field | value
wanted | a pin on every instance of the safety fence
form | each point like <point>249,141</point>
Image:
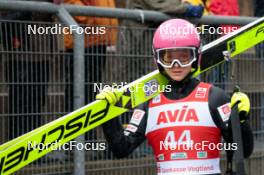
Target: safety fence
<point>36,87</point>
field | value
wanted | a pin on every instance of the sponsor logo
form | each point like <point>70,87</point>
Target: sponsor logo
<point>201,92</point>
<point>224,111</point>
<point>184,114</point>
<point>131,128</point>
<point>181,155</point>
<point>161,157</point>
<point>137,116</point>
<point>151,87</point>
<point>156,99</point>
<point>260,30</point>
<point>202,154</point>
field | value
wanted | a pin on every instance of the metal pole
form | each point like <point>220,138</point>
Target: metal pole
<point>31,6</point>
<point>121,13</point>
<point>78,84</point>
<point>147,15</point>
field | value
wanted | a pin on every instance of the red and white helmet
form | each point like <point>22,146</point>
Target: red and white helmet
<point>172,35</point>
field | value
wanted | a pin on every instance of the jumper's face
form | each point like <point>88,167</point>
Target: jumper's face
<point>178,73</point>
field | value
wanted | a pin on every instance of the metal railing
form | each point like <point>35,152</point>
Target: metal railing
<point>41,81</point>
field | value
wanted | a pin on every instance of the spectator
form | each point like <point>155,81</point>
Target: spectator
<point>95,44</point>
<point>95,47</point>
<point>224,8</point>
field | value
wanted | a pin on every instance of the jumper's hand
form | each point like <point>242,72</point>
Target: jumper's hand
<point>111,95</point>
<point>243,104</point>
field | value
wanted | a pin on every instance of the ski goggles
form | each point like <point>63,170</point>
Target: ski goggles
<point>183,56</point>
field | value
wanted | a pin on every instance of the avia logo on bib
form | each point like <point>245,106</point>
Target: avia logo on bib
<point>184,114</point>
